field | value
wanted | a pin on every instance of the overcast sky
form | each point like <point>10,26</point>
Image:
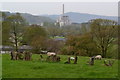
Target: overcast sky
<point>40,8</point>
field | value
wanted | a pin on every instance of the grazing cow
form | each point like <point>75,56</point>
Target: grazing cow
<point>67,62</point>
<point>58,58</point>
<point>91,61</point>
<point>75,61</point>
<point>108,62</point>
<point>51,54</point>
<point>98,57</point>
<point>41,58</point>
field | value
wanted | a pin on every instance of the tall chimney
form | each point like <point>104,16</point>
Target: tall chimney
<point>63,9</point>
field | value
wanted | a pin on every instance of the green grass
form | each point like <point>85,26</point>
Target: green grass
<point>38,69</point>
<point>0,66</point>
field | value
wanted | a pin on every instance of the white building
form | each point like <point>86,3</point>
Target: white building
<point>63,20</point>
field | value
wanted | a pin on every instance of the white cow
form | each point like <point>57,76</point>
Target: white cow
<point>51,53</point>
<point>98,57</point>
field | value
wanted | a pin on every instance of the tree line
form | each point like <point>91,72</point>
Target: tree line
<point>98,36</point>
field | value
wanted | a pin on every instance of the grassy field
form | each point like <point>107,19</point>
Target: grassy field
<point>0,66</point>
<point>38,69</point>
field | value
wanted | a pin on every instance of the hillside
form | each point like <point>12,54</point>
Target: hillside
<point>36,19</point>
<point>82,17</point>
<point>33,19</point>
<point>74,17</point>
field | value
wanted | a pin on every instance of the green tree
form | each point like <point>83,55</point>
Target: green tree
<point>33,31</point>
<point>85,28</point>
<point>0,32</point>
<point>35,36</point>
<point>86,45</point>
<point>104,33</point>
<point>81,45</point>
<point>54,45</point>
<point>55,31</point>
<point>5,33</point>
<point>4,16</point>
<point>5,28</point>
<point>16,23</point>
<point>38,43</point>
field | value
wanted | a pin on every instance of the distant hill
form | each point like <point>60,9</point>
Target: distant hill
<point>32,19</point>
<point>82,17</point>
<point>74,17</point>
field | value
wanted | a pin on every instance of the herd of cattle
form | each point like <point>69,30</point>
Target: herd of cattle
<point>53,57</point>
